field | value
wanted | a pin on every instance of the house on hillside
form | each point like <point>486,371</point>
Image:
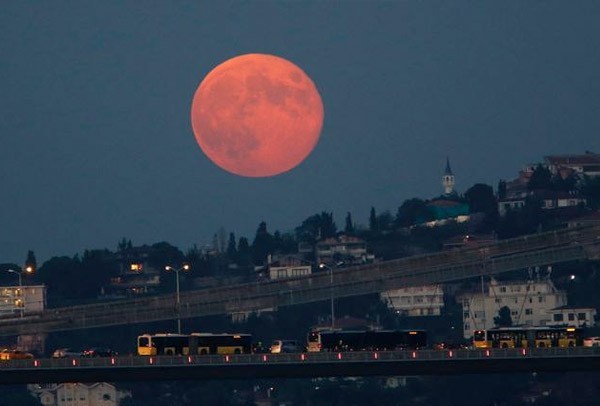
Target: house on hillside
<point>587,164</point>
<point>80,394</point>
<point>136,275</point>
<point>550,200</point>
<point>287,266</point>
<point>531,303</point>
<point>343,248</point>
<point>416,301</point>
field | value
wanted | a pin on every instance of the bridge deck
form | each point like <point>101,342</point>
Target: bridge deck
<point>245,366</point>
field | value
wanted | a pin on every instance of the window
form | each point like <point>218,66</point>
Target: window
<point>541,299</point>
<point>580,316</point>
<point>465,315</point>
<point>503,289</point>
<point>571,316</point>
<point>467,327</point>
<point>498,300</point>
<point>529,311</point>
<point>558,317</point>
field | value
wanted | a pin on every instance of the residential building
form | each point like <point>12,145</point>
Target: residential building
<point>514,203</point>
<point>78,394</point>
<point>587,164</point>
<point>343,248</point>
<point>136,276</point>
<point>288,266</point>
<point>549,199</point>
<point>530,303</point>
<point>416,301</point>
<point>572,316</point>
<point>25,299</point>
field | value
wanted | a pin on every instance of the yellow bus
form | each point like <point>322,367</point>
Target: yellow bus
<point>163,344</point>
<point>193,344</point>
<point>528,337</point>
<point>505,337</point>
<point>209,343</point>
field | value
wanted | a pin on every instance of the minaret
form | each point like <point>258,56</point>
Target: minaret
<point>448,179</point>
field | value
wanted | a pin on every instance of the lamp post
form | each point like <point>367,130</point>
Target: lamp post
<point>322,266</point>
<point>168,268</point>
<point>19,274</point>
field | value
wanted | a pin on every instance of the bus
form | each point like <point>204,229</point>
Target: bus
<point>193,344</point>
<point>365,340</point>
<point>163,344</point>
<point>209,343</point>
<point>528,337</point>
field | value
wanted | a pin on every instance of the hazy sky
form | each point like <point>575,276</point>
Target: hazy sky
<point>95,135</point>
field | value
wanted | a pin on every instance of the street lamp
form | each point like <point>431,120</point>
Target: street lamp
<point>323,266</point>
<point>19,274</point>
<point>168,268</point>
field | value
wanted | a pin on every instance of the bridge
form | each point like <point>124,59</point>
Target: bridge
<point>300,365</point>
<point>574,244</point>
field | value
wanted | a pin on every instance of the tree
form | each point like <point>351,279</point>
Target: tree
<point>385,221</point>
<point>590,189</point>
<point>481,199</point>
<point>162,254</point>
<point>284,243</point>
<point>541,178</point>
<point>373,226</point>
<point>501,189</point>
<point>349,229</point>
<point>30,261</point>
<point>316,227</point>
<point>231,249</point>
<point>244,252</point>
<point>503,319</point>
<point>413,211</point>
<point>262,245</point>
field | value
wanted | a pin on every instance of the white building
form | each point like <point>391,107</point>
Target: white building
<point>573,316</point>
<point>416,301</point>
<point>288,267</point>
<point>344,248</point>
<point>78,394</point>
<point>26,299</point>
<point>530,304</point>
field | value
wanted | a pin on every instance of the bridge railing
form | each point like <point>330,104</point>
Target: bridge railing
<point>302,358</point>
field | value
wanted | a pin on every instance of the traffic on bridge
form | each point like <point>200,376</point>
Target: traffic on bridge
<point>296,365</point>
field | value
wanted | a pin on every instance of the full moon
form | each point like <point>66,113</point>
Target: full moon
<point>257,115</point>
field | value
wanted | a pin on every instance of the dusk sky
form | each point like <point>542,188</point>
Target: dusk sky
<point>97,144</point>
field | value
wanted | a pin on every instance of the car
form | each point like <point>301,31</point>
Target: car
<point>281,346</point>
<point>98,352</point>
<point>66,353</point>
<point>591,342</point>
<point>444,345</point>
<point>7,354</point>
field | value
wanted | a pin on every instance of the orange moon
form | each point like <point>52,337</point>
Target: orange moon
<point>257,115</point>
